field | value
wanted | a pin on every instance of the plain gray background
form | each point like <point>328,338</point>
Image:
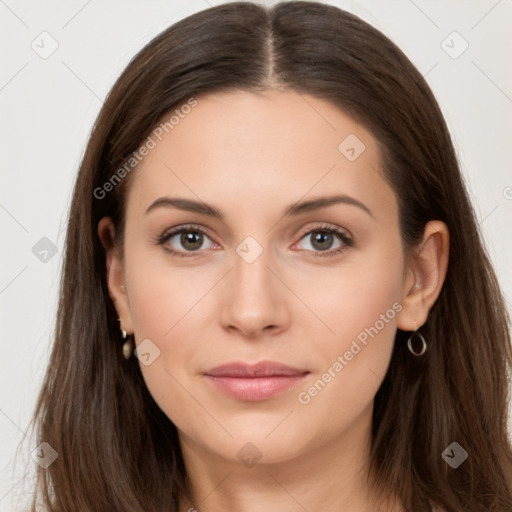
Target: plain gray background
<point>49,102</point>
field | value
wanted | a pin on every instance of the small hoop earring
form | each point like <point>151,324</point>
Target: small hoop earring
<point>127,345</point>
<point>423,347</point>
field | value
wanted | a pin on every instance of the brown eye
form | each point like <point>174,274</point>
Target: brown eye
<point>322,238</point>
<point>191,240</point>
<point>183,240</point>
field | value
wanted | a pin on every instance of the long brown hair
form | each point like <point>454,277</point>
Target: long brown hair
<point>116,449</point>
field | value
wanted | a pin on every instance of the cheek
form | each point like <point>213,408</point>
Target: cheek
<point>160,308</point>
<point>362,294</point>
<point>361,310</point>
<point>162,291</point>
<point>173,307</point>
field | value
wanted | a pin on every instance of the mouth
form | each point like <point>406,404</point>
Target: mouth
<point>257,382</point>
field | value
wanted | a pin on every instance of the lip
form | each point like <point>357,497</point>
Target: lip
<point>256,382</point>
<point>261,369</point>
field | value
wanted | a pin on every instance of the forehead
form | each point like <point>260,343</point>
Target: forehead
<point>257,150</point>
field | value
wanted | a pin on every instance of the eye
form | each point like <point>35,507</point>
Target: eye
<point>191,239</point>
<point>321,240</point>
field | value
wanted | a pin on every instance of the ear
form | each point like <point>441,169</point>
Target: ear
<point>424,276</point>
<point>115,274</point>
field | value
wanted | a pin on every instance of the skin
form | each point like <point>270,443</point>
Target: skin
<point>251,156</point>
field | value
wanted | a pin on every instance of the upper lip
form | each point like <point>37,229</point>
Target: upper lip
<point>261,369</point>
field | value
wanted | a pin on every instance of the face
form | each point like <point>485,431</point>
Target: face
<point>316,289</point>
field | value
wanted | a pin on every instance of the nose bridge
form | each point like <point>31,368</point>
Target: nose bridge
<point>253,300</point>
<point>251,275</point>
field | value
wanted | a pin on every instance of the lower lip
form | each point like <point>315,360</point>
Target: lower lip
<point>253,389</point>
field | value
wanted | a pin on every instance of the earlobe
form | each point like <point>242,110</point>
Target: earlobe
<point>115,273</point>
<point>426,274</point>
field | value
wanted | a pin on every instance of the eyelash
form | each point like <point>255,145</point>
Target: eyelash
<point>325,229</point>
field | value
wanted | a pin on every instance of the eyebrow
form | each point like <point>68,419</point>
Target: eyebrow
<point>190,205</point>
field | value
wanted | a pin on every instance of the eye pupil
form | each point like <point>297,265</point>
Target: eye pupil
<point>320,238</point>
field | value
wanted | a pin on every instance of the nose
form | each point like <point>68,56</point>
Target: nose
<point>254,299</point>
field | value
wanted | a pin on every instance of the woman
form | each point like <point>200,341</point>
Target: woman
<point>334,338</point>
